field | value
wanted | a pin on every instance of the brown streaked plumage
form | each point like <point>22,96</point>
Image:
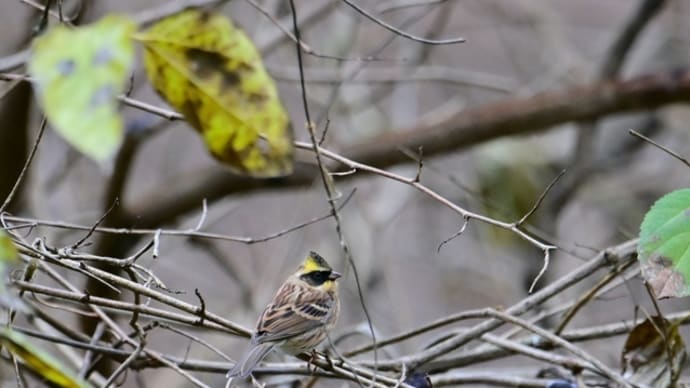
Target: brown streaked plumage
<point>302,312</point>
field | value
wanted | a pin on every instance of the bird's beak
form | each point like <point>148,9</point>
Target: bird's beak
<point>334,275</point>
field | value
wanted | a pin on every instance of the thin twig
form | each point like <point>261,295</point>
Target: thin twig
<point>31,222</point>
<point>194,338</point>
<point>398,75</point>
<point>542,271</point>
<point>202,218</point>
<point>81,241</point>
<point>420,164</point>
<point>124,365</point>
<point>404,34</point>
<point>537,354</point>
<point>661,147</point>
<point>540,199</point>
<point>88,356</point>
<point>426,190</point>
<point>108,278</point>
<point>589,295</point>
<point>25,168</point>
<point>487,379</point>
<point>305,47</point>
<point>602,259</point>
<point>663,331</point>
<point>89,300</point>
<point>453,318</point>
<point>398,5</point>
<point>605,370</point>
<point>19,378</point>
<point>327,184</point>
<point>466,220</point>
<point>119,332</point>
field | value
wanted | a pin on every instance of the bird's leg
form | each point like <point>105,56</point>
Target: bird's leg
<point>310,364</point>
<point>329,360</point>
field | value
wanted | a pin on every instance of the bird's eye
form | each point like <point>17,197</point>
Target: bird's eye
<point>316,278</point>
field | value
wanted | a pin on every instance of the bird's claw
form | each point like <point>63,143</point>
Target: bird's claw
<point>312,357</point>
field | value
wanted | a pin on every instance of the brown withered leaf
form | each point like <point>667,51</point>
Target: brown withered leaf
<point>649,357</point>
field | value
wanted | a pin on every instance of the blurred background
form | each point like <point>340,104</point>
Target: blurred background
<point>380,95</point>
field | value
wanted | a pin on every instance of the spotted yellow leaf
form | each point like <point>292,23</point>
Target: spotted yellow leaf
<point>78,74</point>
<point>38,361</point>
<point>210,71</point>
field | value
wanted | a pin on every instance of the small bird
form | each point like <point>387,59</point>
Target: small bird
<point>302,312</point>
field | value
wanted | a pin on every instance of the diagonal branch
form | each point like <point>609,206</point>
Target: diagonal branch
<point>521,116</point>
<point>517,116</point>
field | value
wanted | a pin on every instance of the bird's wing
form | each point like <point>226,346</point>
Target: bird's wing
<point>293,311</point>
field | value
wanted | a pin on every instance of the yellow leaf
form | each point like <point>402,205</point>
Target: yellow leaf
<point>78,74</point>
<point>39,361</point>
<point>210,71</point>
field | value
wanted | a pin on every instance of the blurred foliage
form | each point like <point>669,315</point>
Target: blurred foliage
<point>78,74</point>
<point>38,361</point>
<point>511,176</point>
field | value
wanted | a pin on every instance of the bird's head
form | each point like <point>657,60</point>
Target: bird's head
<point>317,273</point>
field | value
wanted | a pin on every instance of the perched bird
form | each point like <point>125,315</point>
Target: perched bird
<point>302,312</point>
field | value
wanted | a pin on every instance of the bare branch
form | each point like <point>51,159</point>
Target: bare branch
<point>389,27</point>
<point>191,233</point>
<point>661,147</point>
<point>329,189</point>
<point>456,234</point>
<point>540,199</point>
<point>534,300</point>
<point>542,271</point>
<point>20,178</point>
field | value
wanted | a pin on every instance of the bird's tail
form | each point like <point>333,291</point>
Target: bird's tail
<point>252,357</point>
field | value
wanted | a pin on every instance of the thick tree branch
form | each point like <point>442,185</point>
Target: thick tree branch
<point>582,162</point>
<point>526,115</point>
<point>164,206</point>
<point>518,116</point>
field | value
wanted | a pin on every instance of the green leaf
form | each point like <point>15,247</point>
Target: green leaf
<point>78,74</point>
<point>210,71</point>
<point>664,246</point>
<point>39,361</point>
